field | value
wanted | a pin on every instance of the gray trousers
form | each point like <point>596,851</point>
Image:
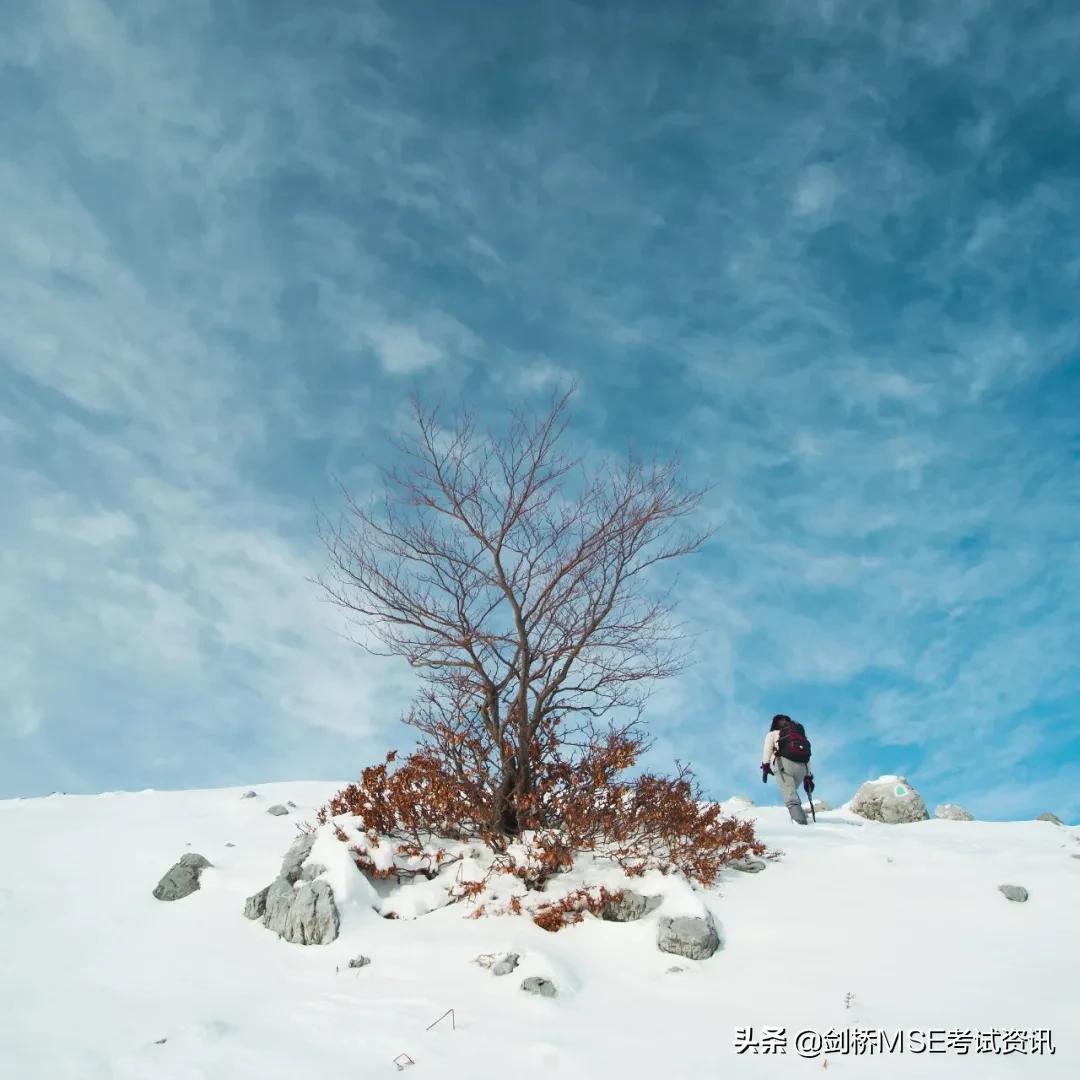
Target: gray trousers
<point>789,778</point>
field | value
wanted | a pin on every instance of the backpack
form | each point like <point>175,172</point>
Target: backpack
<point>793,743</point>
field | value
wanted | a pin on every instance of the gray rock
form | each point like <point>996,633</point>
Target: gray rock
<point>255,906</point>
<point>229,843</point>
<point>277,810</point>
<point>1050,817</point>
<point>892,801</point>
<point>296,905</point>
<point>748,865</point>
<point>675,970</point>
<point>299,850</point>
<point>1017,893</point>
<point>313,917</point>
<point>182,879</point>
<point>629,907</point>
<point>535,985</point>
<point>690,936</point>
<point>505,964</point>
<point>279,900</point>
<point>250,795</point>
<point>291,804</point>
<point>359,961</point>
<point>1074,856</point>
<point>949,812</point>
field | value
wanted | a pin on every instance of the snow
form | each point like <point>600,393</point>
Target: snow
<point>906,918</point>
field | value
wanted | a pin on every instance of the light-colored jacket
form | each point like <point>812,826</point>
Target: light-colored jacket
<point>768,751</point>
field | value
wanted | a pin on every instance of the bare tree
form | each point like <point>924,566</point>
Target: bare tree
<point>516,582</point>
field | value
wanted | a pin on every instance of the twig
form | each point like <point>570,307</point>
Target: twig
<point>453,1022</point>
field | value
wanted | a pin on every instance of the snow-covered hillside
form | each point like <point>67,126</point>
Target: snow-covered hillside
<point>858,925</point>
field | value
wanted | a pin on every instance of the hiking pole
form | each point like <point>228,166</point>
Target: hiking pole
<point>809,785</point>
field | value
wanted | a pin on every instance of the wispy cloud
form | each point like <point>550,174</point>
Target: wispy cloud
<point>837,276</point>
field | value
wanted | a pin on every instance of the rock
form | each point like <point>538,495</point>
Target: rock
<point>1074,856</point>
<point>277,810</point>
<point>629,907</point>
<point>690,936</point>
<point>1017,893</point>
<point>505,964</point>
<point>296,905</point>
<point>1050,817</point>
<point>250,795</point>
<point>299,850</point>
<point>255,906</point>
<point>535,985</point>
<point>674,970</point>
<point>279,900</point>
<point>890,799</point>
<point>359,961</point>
<point>291,804</point>
<point>313,916</point>
<point>229,843</point>
<point>183,878</point>
<point>748,865</point>
<point>949,812</point>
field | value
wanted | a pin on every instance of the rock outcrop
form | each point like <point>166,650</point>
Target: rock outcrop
<point>298,905</point>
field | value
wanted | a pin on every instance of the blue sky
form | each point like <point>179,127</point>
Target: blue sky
<point>828,252</point>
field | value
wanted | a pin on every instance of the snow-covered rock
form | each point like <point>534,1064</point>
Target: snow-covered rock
<point>277,810</point>
<point>630,907</point>
<point>696,938</point>
<point>950,812</point>
<point>748,865</point>
<point>534,984</point>
<point>1052,818</point>
<point>182,879</point>
<point>890,799</point>
<point>293,862</point>
<point>505,964</point>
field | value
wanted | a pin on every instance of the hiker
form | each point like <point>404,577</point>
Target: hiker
<point>788,748</point>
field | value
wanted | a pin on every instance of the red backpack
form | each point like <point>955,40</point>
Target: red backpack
<point>792,743</point>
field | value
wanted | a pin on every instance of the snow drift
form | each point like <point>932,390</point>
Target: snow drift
<point>859,924</point>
